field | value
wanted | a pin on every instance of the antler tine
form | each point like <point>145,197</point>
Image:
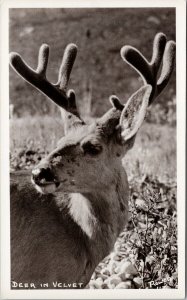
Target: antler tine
<point>149,70</point>
<point>68,59</point>
<point>158,50</point>
<point>43,57</point>
<point>116,103</point>
<point>168,64</point>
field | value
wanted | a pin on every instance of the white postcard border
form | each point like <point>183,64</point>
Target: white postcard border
<point>6,292</point>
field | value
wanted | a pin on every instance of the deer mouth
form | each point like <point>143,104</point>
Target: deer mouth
<point>44,184</point>
<point>46,187</point>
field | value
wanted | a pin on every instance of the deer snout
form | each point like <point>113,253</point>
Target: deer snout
<point>44,176</point>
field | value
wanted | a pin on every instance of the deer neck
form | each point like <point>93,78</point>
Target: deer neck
<point>104,210</point>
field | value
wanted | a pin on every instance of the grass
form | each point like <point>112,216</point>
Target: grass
<point>154,153</point>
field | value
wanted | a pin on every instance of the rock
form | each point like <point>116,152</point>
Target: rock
<point>114,280</point>
<point>138,282</point>
<point>125,276</point>
<point>103,276</point>
<point>105,271</point>
<point>96,285</point>
<point>129,276</point>
<point>104,286</point>
<point>141,204</point>
<point>124,285</point>
<point>117,270</point>
<point>122,276</point>
<point>129,283</point>
<point>111,286</point>
<point>99,281</point>
<point>142,225</point>
<point>91,282</point>
<point>114,256</point>
<point>150,259</point>
<point>117,247</point>
<point>127,267</point>
<point>111,266</point>
<point>93,276</point>
<point>91,287</point>
<point>122,254</point>
<point>98,269</point>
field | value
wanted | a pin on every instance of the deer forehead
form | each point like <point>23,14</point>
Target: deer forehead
<point>81,134</point>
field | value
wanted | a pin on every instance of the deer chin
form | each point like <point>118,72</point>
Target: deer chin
<point>47,188</point>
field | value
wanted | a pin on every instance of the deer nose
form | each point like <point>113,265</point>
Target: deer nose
<point>42,175</point>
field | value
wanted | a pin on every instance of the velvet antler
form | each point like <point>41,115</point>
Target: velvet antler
<point>162,52</point>
<point>56,92</point>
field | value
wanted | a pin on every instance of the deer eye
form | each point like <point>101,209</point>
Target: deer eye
<point>91,148</point>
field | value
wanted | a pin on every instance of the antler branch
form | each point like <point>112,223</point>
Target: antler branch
<point>37,78</point>
<point>149,70</point>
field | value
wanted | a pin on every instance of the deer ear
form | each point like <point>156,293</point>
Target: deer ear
<point>134,113</point>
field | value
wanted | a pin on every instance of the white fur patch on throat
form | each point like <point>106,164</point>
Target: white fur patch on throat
<point>81,211</point>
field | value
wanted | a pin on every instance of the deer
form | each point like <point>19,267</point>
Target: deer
<point>67,213</point>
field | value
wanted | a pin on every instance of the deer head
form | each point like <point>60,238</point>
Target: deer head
<point>87,155</point>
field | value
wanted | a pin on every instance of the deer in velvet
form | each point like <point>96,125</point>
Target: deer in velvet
<point>67,219</point>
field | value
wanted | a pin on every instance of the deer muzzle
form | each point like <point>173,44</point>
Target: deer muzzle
<point>44,180</point>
